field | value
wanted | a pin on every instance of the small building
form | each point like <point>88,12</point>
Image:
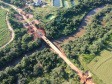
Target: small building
<point>37,2</point>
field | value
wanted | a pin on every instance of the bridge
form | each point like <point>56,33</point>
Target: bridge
<point>82,76</point>
<point>79,72</point>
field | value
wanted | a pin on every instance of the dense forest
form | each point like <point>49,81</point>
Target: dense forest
<point>62,25</point>
<point>68,20</point>
<point>18,3</point>
<point>45,67</point>
<point>95,36</point>
<point>22,42</point>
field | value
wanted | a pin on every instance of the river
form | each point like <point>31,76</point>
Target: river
<point>18,59</point>
<point>78,33</point>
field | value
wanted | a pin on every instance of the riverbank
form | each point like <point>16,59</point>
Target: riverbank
<point>78,33</point>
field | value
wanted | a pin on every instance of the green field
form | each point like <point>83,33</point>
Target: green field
<point>76,2</point>
<point>101,65</point>
<point>4,31</point>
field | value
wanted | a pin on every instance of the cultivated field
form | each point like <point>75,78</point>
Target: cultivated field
<point>102,64</point>
<point>4,31</point>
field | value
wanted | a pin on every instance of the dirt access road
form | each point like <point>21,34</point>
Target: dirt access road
<point>9,27</point>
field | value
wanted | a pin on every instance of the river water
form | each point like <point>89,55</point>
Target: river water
<point>18,59</point>
<point>78,33</point>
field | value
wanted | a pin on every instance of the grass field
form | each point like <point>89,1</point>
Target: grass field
<point>43,12</point>
<point>4,31</point>
<point>49,9</point>
<point>76,2</point>
<point>101,65</point>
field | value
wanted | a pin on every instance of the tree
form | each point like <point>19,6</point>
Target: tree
<point>27,38</point>
<point>37,70</point>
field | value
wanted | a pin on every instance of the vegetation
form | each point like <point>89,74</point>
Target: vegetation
<point>61,24</point>
<point>45,66</point>
<point>93,41</point>
<point>18,3</point>
<point>94,38</point>
<point>5,34</point>
<point>41,67</point>
<point>22,42</point>
<point>66,21</point>
<point>101,64</point>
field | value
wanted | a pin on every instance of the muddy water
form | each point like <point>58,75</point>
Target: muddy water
<point>79,33</point>
<point>80,30</point>
<point>18,59</point>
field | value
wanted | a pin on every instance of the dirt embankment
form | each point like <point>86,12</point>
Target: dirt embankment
<point>9,27</point>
